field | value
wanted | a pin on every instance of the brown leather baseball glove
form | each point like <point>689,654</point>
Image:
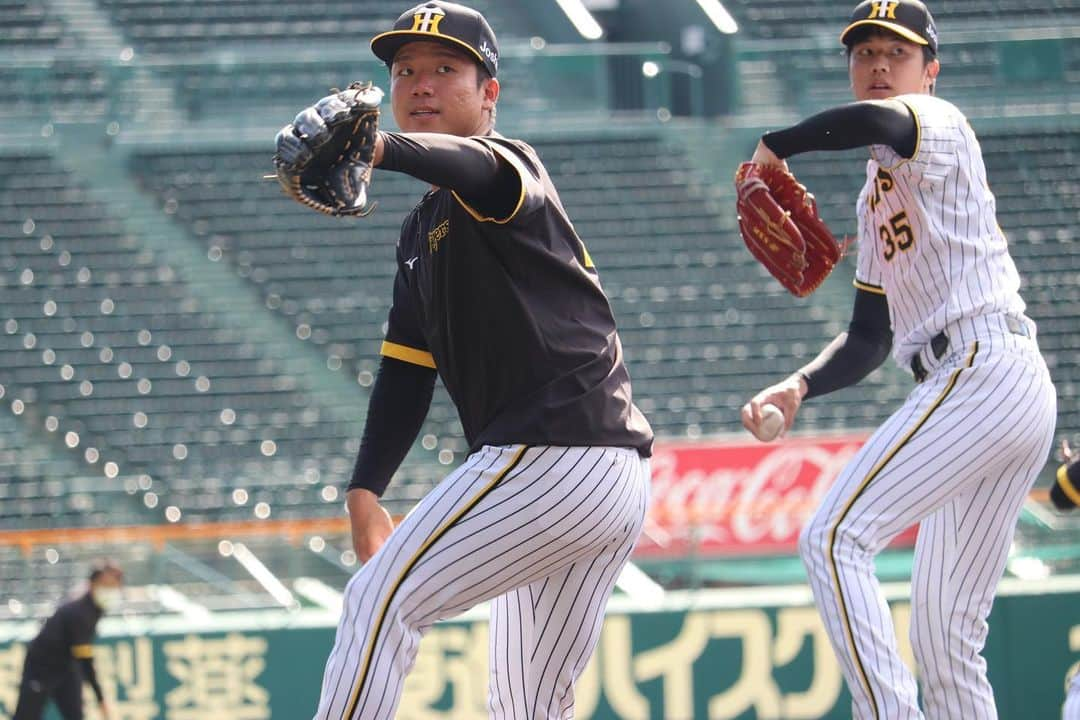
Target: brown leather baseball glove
<point>779,223</point>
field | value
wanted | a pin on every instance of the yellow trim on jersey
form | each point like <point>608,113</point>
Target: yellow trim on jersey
<point>408,354</point>
<point>369,650</point>
<point>480,218</point>
<point>895,27</point>
<point>851,502</point>
<point>514,163</point>
<point>1071,673</point>
<point>918,138</point>
<point>1066,485</point>
<point>918,130</point>
<point>587,260</point>
<point>585,254</point>
<point>877,290</point>
<point>82,652</point>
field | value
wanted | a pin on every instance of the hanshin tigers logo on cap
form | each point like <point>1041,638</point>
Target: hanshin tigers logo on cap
<point>883,10</point>
<point>910,19</point>
<point>427,21</point>
<point>445,22</point>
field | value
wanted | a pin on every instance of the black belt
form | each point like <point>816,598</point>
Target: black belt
<point>938,345</point>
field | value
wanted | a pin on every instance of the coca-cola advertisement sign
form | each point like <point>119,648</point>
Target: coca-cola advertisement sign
<point>727,497</point>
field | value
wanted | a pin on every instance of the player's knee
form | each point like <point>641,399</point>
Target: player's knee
<point>822,539</point>
<point>813,540</point>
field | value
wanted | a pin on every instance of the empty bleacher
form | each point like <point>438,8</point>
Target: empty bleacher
<point>60,90</point>
<point>138,376</point>
<point>1033,174</point>
<point>28,26</point>
<point>179,26</point>
<point>42,487</point>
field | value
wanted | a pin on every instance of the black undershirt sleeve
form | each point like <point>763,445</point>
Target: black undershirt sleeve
<point>468,166</point>
<point>853,354</point>
<point>871,122</point>
<point>399,402</point>
<point>90,677</point>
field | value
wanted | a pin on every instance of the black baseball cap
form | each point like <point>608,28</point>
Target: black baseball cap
<point>907,18</point>
<point>445,22</point>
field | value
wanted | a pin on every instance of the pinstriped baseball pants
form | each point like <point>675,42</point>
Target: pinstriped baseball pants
<point>959,458</point>
<point>1070,710</point>
<point>541,531</point>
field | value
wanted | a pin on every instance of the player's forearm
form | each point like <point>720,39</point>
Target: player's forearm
<point>400,399</point>
<point>90,677</point>
<point>854,354</point>
<point>872,122</point>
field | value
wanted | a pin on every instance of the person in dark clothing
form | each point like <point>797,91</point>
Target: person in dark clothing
<point>61,657</point>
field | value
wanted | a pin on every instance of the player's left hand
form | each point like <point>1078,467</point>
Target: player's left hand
<point>786,395</point>
<point>324,158</point>
<point>104,708</point>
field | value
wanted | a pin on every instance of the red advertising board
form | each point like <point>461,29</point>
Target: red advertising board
<point>732,497</point>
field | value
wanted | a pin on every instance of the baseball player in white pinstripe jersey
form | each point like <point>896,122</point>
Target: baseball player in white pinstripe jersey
<point>936,285</point>
<point>1070,709</point>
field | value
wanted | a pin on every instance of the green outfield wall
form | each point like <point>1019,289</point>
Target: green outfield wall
<point>728,654</point>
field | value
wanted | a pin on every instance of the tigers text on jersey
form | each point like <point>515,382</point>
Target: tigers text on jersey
<point>511,313</point>
<point>928,232</point>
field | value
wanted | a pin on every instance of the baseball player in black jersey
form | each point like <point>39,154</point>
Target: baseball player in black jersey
<point>497,295</point>
<point>61,658</point>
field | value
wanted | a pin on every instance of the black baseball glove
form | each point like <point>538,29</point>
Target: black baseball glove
<point>324,158</point>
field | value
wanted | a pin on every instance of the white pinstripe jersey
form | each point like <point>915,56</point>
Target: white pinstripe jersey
<point>928,232</point>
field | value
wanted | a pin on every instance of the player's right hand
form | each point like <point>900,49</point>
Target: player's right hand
<point>371,523</point>
<point>764,156</point>
<point>786,395</point>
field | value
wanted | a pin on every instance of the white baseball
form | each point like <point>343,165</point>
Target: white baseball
<point>772,422</point>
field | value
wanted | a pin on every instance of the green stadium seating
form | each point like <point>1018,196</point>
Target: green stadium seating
<point>111,344</point>
<point>28,25</point>
<point>180,26</point>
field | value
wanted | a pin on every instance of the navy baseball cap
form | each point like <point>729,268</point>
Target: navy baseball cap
<point>445,22</point>
<point>907,18</point>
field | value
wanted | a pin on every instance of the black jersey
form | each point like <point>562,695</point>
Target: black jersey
<point>511,313</point>
<point>66,636</point>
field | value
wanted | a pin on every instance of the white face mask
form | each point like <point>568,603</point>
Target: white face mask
<point>107,598</point>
